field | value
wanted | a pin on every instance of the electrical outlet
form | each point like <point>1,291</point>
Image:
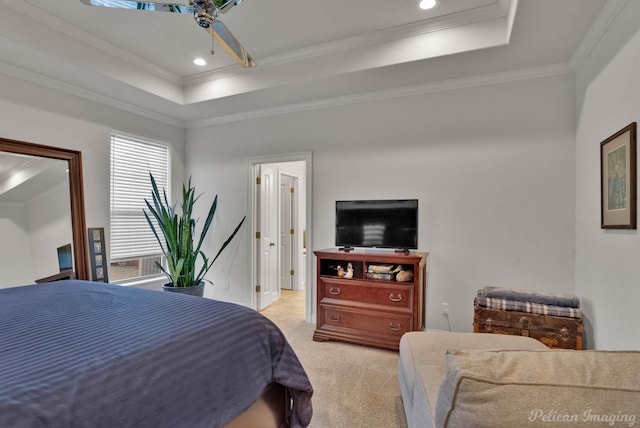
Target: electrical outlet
<point>445,310</point>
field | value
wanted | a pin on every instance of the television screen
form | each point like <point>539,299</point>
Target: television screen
<point>65,260</point>
<point>377,223</point>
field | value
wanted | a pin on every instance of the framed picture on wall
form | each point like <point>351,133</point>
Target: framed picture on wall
<point>97,254</point>
<point>618,180</point>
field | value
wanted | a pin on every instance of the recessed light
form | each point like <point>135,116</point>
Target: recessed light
<point>199,61</point>
<point>426,4</point>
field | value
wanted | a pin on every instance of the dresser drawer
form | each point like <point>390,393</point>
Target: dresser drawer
<point>379,323</point>
<point>335,291</point>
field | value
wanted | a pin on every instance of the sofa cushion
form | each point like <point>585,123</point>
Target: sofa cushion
<point>539,388</point>
<point>422,362</point>
<point>429,348</point>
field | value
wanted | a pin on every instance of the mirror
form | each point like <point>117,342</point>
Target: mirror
<point>48,179</point>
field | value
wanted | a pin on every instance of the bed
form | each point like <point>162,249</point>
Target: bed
<point>85,354</point>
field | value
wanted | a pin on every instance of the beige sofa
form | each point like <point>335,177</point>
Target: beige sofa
<point>490,380</point>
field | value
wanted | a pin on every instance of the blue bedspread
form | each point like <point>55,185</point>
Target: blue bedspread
<point>83,354</point>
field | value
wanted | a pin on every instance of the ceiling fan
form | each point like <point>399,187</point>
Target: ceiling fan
<point>205,13</point>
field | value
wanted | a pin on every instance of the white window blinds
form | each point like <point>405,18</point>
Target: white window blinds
<point>131,161</point>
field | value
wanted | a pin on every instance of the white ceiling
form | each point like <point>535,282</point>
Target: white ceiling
<point>24,177</point>
<point>309,53</point>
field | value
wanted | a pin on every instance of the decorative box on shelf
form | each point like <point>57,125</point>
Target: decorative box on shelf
<point>385,272</point>
<point>383,276</point>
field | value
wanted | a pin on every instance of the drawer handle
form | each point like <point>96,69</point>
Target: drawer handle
<point>334,291</point>
<point>524,323</point>
<point>334,317</point>
<point>489,325</point>
<point>395,326</point>
<point>394,298</point>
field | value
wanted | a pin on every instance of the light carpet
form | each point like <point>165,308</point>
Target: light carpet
<point>354,386</point>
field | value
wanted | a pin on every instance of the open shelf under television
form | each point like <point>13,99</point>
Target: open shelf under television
<point>373,310</point>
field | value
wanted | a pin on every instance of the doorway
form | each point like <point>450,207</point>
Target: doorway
<point>280,195</point>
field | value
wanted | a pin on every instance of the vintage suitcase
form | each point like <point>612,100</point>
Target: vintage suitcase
<point>553,331</point>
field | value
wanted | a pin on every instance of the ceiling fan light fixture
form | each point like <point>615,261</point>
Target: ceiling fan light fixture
<point>199,61</point>
<point>427,4</point>
<point>205,13</point>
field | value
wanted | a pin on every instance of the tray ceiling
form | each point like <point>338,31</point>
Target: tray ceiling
<point>306,51</point>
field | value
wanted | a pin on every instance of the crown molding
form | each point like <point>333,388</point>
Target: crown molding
<point>441,86</point>
<point>48,82</point>
<point>32,12</point>
<point>385,94</point>
<point>605,19</point>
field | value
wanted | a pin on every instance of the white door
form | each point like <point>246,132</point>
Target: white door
<point>267,229</point>
<point>287,232</point>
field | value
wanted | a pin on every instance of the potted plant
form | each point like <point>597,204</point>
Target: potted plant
<point>176,232</point>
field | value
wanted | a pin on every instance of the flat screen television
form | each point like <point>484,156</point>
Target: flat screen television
<point>382,223</point>
<point>65,259</point>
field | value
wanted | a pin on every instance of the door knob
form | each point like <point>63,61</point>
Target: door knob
<point>271,244</point>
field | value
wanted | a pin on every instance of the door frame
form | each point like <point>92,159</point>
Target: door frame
<point>251,193</point>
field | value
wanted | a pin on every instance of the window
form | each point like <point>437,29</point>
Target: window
<point>134,249</point>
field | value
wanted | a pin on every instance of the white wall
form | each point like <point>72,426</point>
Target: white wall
<point>15,251</point>
<point>32,113</point>
<point>607,269</point>
<point>31,233</point>
<point>49,220</point>
<point>492,167</point>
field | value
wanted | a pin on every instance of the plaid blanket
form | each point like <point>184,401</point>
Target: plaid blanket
<point>545,298</point>
<point>530,307</point>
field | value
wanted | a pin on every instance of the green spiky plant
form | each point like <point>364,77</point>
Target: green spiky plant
<point>176,235</point>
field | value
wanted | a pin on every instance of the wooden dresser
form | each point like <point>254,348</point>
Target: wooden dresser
<point>367,311</point>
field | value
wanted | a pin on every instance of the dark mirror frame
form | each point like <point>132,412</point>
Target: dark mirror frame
<point>76,193</point>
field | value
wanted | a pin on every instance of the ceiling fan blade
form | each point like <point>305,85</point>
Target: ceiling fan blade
<point>223,36</point>
<point>141,5</point>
